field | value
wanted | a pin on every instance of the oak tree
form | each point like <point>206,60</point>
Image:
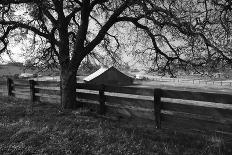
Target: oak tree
<point>66,28</point>
<point>181,33</point>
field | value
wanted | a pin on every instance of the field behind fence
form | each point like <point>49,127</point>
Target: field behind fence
<point>192,81</point>
<point>179,109</point>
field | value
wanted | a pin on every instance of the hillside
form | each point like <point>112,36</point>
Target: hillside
<point>12,69</point>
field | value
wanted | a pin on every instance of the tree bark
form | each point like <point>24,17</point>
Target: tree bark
<point>68,89</point>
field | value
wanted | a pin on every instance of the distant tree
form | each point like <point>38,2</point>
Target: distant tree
<point>126,67</point>
<point>29,64</point>
<point>18,64</point>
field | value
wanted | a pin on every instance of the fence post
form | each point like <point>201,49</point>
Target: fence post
<point>32,90</point>
<point>61,98</point>
<point>157,107</point>
<point>10,87</point>
<point>102,107</point>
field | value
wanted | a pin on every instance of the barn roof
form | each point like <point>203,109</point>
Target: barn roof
<point>95,74</point>
<point>102,71</point>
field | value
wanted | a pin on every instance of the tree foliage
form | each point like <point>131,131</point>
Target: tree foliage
<point>177,33</point>
<point>169,34</point>
<point>189,35</point>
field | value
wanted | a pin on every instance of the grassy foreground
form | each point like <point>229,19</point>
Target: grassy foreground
<point>46,129</point>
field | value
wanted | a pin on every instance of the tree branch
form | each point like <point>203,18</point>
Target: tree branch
<point>23,25</point>
<point>101,34</point>
<point>72,14</point>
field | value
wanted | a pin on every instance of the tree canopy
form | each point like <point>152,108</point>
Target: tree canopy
<point>169,34</point>
<point>188,32</point>
<point>185,34</point>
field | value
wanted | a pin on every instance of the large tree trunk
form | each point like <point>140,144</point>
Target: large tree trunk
<point>68,89</point>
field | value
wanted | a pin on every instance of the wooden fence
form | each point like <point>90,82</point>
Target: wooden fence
<point>30,89</point>
<point>163,108</point>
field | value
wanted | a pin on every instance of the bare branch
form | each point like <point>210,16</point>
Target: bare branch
<point>26,26</point>
<point>112,20</point>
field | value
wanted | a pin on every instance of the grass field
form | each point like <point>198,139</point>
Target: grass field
<point>46,129</point>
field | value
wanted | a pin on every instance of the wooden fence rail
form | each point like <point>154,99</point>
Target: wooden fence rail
<point>164,108</point>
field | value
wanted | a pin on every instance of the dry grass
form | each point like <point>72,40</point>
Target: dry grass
<point>45,129</point>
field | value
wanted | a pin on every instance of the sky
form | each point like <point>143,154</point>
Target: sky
<point>14,48</point>
<point>16,55</point>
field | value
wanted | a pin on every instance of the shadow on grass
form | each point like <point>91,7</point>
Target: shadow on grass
<point>46,129</point>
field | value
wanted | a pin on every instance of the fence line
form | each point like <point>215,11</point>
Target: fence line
<point>191,81</point>
<point>183,109</point>
<point>164,108</point>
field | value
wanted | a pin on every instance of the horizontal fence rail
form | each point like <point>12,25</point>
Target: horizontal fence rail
<point>164,108</point>
<point>30,89</point>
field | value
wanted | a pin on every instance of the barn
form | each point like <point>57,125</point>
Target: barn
<point>110,76</point>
